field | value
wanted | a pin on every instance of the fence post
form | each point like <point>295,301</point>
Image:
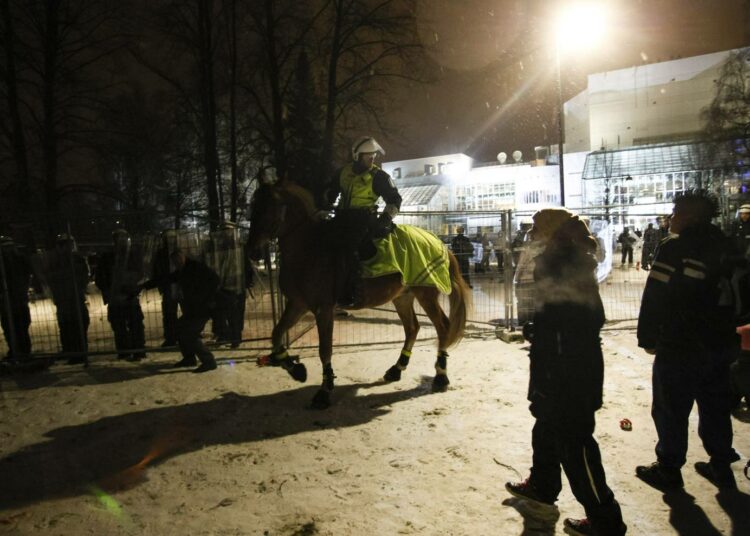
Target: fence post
<point>508,268</point>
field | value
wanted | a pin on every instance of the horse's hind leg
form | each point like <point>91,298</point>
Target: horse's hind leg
<point>428,299</point>
<point>279,354</point>
<point>405,308</point>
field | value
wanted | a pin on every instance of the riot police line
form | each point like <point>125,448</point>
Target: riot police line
<point>54,302</point>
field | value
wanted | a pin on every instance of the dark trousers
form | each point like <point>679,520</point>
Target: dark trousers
<point>189,330</point>
<point>627,252</point>
<point>463,265</point>
<point>236,317</point>
<point>574,448</point>
<point>169,316</point>
<point>73,321</point>
<point>679,379</point>
<point>126,319</point>
<point>17,338</point>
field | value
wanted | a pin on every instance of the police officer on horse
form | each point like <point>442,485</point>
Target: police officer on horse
<point>358,186</point>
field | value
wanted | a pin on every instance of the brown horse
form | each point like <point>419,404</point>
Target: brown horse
<point>308,280</point>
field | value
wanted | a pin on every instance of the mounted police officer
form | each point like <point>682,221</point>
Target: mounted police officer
<point>358,186</point>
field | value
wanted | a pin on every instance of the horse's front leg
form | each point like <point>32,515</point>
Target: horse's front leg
<point>428,299</point>
<point>405,308</point>
<point>279,355</point>
<point>324,321</point>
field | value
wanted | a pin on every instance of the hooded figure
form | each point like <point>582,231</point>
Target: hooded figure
<point>566,374</point>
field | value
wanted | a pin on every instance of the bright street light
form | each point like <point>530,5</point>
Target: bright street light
<point>579,26</point>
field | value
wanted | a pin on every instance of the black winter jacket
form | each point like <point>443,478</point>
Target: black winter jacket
<point>567,367</point>
<point>682,302</point>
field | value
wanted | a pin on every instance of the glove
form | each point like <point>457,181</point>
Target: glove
<point>383,226</point>
<point>322,215</point>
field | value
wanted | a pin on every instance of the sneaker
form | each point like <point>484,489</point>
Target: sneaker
<point>583,527</point>
<point>580,527</point>
<point>659,476</point>
<point>526,490</point>
<point>721,477</point>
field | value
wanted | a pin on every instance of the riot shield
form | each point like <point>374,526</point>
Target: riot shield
<point>224,254</point>
<point>66,275</point>
<point>128,269</point>
<point>189,241</point>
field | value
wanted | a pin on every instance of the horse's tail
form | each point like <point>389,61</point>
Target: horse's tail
<point>460,303</point>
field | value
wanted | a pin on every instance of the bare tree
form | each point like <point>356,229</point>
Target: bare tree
<point>728,115</point>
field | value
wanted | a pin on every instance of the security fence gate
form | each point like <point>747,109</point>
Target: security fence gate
<point>60,288</point>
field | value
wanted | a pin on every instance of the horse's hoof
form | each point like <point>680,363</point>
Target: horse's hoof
<point>298,371</point>
<point>321,400</point>
<point>440,383</point>
<point>393,374</point>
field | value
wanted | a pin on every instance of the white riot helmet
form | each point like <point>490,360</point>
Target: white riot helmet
<point>365,144</point>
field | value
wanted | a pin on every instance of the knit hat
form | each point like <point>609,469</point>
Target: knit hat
<point>744,209</point>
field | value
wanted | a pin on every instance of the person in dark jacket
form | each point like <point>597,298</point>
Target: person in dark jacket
<point>626,241</point>
<point>740,231</point>
<point>68,277</point>
<point>15,316</point>
<point>683,323</point>
<point>650,241</point>
<point>117,275</point>
<point>566,375</point>
<point>167,289</point>
<point>199,285</point>
<point>463,249</point>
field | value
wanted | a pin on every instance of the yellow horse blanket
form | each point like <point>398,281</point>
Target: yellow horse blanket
<point>418,255</point>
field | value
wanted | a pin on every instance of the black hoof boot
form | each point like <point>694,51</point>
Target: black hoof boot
<point>298,371</point>
<point>440,383</point>
<point>393,374</point>
<point>321,400</point>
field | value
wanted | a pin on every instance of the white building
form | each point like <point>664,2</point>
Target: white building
<point>631,144</point>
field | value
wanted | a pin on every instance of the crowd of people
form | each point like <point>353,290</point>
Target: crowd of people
<point>688,321</point>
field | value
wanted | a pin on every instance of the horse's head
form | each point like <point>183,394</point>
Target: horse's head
<point>276,209</point>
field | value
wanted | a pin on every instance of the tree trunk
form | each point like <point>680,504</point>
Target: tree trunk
<point>208,108</point>
<point>326,155</point>
<point>279,145</point>
<point>18,142</point>
<point>49,132</point>
<point>234,194</point>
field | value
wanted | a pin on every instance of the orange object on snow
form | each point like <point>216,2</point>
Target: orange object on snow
<point>626,425</point>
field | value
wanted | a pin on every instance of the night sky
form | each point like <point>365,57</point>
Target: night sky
<point>495,64</point>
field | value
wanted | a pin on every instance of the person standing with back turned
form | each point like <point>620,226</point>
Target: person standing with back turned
<point>683,323</point>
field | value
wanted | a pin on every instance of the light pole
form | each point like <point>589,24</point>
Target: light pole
<point>560,125</point>
<point>579,26</point>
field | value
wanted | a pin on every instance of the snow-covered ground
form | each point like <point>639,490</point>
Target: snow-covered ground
<point>141,448</point>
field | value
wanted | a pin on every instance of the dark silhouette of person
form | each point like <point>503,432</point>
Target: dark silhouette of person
<point>168,290</point>
<point>683,323</point>
<point>117,275</point>
<point>567,374</point>
<point>15,316</point>
<point>626,241</point>
<point>198,285</point>
<point>650,242</point>
<point>463,249</point>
